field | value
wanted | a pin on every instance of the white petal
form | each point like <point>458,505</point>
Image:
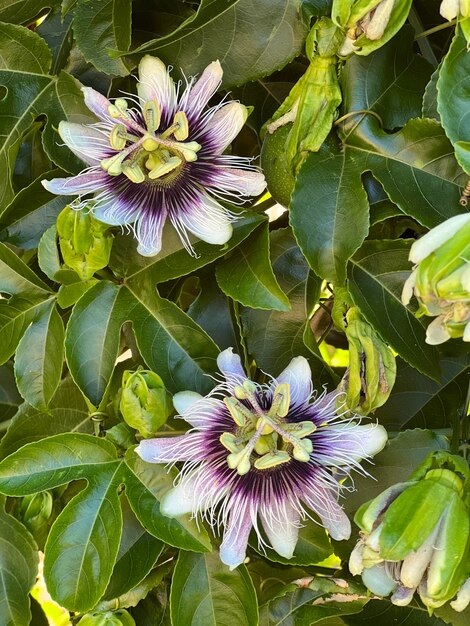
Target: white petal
<point>463,597</point>
<point>207,220</point>
<point>436,237</point>
<point>202,413</point>
<point>231,366</point>
<point>189,447</point>
<point>86,182</point>
<point>281,524</point>
<point>242,182</point>
<point>224,125</point>
<point>184,400</point>
<point>182,499</point>
<point>332,516</point>
<point>149,232</point>
<point>350,443</point>
<point>202,91</point>
<point>355,559</point>
<point>436,332</point>
<point>466,332</point>
<point>155,83</point>
<point>89,144</point>
<point>402,596</point>
<point>115,210</point>
<point>98,104</point>
<point>376,579</point>
<point>299,377</point>
<point>408,288</point>
<point>449,9</point>
<point>237,531</point>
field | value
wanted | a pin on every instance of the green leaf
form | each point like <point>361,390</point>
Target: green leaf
<point>322,599</point>
<point>48,253</point>
<point>418,402</point>
<point>377,273</point>
<point>430,97</point>
<point>146,484</point>
<point>32,211</point>
<point>16,278</point>
<point>100,25</point>
<point>83,542</point>
<point>39,357</point>
<point>53,462</point>
<point>274,338</point>
<point>18,42</point>
<point>247,276</point>
<point>92,338</point>
<point>16,314</point>
<point>20,11</point>
<point>385,613</point>
<point>18,569</point>
<point>275,30</point>
<point>173,260</point>
<point>453,87</point>
<point>329,212</point>
<point>10,399</point>
<point>137,554</point>
<point>394,464</point>
<point>204,591</point>
<point>67,412</point>
<point>57,33</point>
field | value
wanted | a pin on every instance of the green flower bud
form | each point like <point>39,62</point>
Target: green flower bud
<point>35,512</point>
<point>416,535</point>
<point>145,404</point>
<point>440,280</point>
<point>84,242</point>
<point>109,618</point>
<point>371,373</point>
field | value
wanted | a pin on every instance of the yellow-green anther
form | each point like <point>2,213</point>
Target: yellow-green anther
<point>118,109</point>
<point>266,444</point>
<point>181,121</point>
<point>266,428</point>
<point>230,442</point>
<point>113,165</point>
<point>277,457</point>
<point>240,461</point>
<point>188,150</point>
<point>165,167</point>
<point>446,477</point>
<point>281,401</point>
<point>300,454</point>
<point>301,429</point>
<point>152,115</point>
<point>150,143</point>
<point>237,411</point>
<point>121,104</point>
<point>133,171</point>
<point>117,140</point>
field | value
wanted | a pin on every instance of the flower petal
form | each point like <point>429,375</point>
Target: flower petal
<point>206,219</point>
<point>155,83</point>
<point>149,232</point>
<point>189,447</point>
<point>241,182</point>
<point>181,499</point>
<point>202,413</point>
<point>349,443</point>
<point>299,377</point>
<point>98,104</point>
<point>194,101</point>
<point>223,126</point>
<point>436,237</point>
<point>86,182</point>
<point>114,209</point>
<point>184,400</point>
<point>281,523</point>
<point>436,332</point>
<point>89,144</point>
<point>237,532</point>
<point>322,501</point>
<point>231,367</point>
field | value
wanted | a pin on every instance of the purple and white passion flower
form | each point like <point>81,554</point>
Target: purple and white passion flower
<point>262,453</point>
<point>161,158</point>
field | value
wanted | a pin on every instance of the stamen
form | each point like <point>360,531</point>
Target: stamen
<point>152,115</point>
<point>117,137</point>
<point>266,444</point>
<point>151,143</point>
<point>181,121</point>
<point>118,109</point>
<point>276,457</point>
<point>230,442</point>
<point>113,165</point>
<point>133,171</point>
<point>165,167</point>
<point>281,401</point>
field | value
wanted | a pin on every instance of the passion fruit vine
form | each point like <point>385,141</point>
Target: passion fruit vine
<point>279,177</point>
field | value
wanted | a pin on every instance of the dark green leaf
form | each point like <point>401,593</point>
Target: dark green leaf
<point>274,338</point>
<point>329,213</point>
<point>100,25</point>
<point>389,615</point>
<point>312,546</point>
<point>10,399</point>
<point>247,276</point>
<point>146,485</point>
<point>48,253</point>
<point>221,29</point>
<point>68,412</point>
<point>417,401</point>
<point>53,462</point>
<point>39,357</point>
<point>83,542</point>
<point>453,104</point>
<point>18,569</point>
<point>57,32</point>
<point>430,97</point>
<point>16,278</point>
<point>32,211</point>
<point>20,11</point>
<point>376,276</point>
<point>204,591</point>
<point>137,554</point>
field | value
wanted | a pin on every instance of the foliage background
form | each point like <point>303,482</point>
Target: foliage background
<point>384,176</point>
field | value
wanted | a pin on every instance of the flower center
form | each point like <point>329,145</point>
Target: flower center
<point>148,154</point>
<point>263,437</point>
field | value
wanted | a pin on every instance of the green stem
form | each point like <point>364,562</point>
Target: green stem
<point>436,29</point>
<point>463,428</point>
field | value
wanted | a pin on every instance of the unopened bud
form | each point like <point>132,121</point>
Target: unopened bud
<point>108,618</point>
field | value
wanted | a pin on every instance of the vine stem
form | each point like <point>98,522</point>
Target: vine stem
<point>436,29</point>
